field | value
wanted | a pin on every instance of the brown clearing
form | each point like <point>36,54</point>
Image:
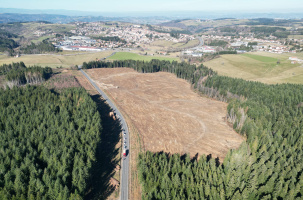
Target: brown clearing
<point>169,116</point>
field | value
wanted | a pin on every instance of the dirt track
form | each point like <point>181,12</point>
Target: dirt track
<point>168,114</point>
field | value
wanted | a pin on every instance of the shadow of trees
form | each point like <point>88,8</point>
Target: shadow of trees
<point>103,169</point>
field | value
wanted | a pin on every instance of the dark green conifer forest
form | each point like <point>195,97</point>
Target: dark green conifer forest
<point>47,143</point>
<point>268,165</point>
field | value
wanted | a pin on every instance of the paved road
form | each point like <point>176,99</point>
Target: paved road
<point>109,56</point>
<point>201,43</point>
<point>125,161</point>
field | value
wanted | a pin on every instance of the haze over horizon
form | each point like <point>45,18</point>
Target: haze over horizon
<point>158,6</point>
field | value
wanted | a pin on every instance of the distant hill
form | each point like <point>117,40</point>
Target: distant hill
<point>14,17</point>
<point>174,24</point>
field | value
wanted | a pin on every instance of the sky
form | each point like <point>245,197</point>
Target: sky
<point>158,5</point>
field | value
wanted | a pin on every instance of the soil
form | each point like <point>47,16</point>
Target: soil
<point>168,114</point>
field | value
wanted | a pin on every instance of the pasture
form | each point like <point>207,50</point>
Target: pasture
<point>64,59</point>
<point>260,66</point>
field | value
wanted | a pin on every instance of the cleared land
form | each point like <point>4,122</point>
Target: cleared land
<point>65,59</point>
<point>259,66</point>
<point>133,56</point>
<point>169,116</point>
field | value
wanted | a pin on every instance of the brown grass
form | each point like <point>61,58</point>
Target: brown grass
<point>62,80</point>
<point>169,116</point>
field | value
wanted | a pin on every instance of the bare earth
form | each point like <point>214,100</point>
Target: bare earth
<point>168,114</point>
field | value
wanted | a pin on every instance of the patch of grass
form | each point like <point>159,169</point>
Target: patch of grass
<point>133,56</point>
<point>61,81</point>
<point>170,44</point>
<point>260,58</point>
<point>189,44</point>
<point>299,37</point>
<point>40,39</point>
<point>259,66</point>
<point>162,43</point>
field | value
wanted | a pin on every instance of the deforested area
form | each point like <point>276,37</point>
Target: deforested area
<point>268,165</point>
<point>168,114</point>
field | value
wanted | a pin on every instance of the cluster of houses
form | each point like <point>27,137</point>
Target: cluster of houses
<point>271,46</point>
<point>132,34</point>
<point>198,52</point>
<point>140,35</point>
<point>295,60</point>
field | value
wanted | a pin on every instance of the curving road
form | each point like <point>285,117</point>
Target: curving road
<point>125,161</point>
<point>200,44</point>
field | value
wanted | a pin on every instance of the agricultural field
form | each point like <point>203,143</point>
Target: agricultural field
<point>64,59</point>
<point>133,56</point>
<point>259,66</point>
<point>189,44</point>
<point>299,37</point>
<point>162,43</point>
<point>169,116</point>
<point>170,44</point>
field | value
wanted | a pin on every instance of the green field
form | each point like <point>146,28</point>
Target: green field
<point>170,44</point>
<point>40,39</point>
<point>259,66</point>
<point>189,44</point>
<point>133,56</point>
<point>261,58</point>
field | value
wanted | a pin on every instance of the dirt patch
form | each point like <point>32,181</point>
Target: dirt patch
<point>62,81</point>
<point>169,116</point>
<point>82,80</point>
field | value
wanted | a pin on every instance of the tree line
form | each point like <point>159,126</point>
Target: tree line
<point>268,165</point>
<point>8,44</point>
<point>183,70</point>
<point>39,48</point>
<point>6,41</point>
<point>18,74</point>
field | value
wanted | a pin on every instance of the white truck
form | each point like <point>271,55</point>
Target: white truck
<point>124,152</point>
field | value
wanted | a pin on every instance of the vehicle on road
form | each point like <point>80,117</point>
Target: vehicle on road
<point>124,152</point>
